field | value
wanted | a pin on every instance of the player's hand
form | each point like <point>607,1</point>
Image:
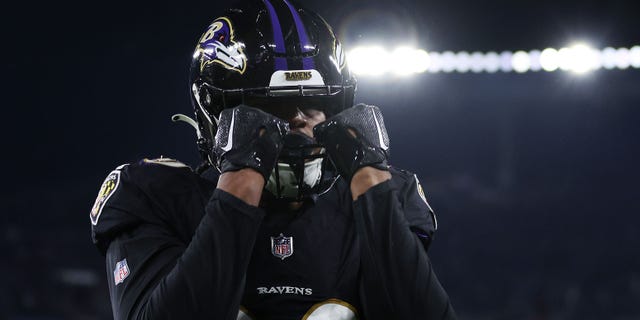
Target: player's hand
<point>355,138</point>
<point>248,138</point>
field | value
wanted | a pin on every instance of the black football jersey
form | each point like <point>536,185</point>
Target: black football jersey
<point>177,247</point>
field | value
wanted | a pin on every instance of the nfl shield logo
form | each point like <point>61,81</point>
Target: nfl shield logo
<point>281,246</point>
<point>121,272</point>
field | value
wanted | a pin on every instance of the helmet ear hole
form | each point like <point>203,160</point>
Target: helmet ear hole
<point>210,100</point>
<point>205,97</point>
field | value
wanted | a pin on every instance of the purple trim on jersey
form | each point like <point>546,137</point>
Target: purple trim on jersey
<point>422,235</point>
<point>307,63</point>
<point>281,63</point>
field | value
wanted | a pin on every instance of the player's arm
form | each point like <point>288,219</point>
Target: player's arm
<point>398,281</point>
<point>398,278</point>
<point>167,278</point>
<point>153,274</point>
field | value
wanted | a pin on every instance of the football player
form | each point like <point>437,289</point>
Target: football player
<point>295,212</point>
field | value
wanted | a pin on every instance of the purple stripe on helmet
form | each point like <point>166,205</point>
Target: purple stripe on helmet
<point>307,63</point>
<point>302,32</point>
<point>281,63</point>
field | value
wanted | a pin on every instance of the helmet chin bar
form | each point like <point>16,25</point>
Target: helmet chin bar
<point>296,178</point>
<point>303,170</point>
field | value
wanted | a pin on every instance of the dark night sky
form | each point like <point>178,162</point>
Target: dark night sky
<point>534,177</point>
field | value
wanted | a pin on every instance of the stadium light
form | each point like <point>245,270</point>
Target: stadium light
<point>521,62</point>
<point>463,63</point>
<point>623,60</point>
<point>406,60</point>
<point>534,57</point>
<point>634,56</point>
<point>409,61</point>
<point>491,62</point>
<point>366,60</point>
<point>505,61</point>
<point>448,60</point>
<point>579,58</point>
<point>477,62</point>
<point>435,64</point>
<point>585,58</point>
<point>608,58</point>
<point>549,59</point>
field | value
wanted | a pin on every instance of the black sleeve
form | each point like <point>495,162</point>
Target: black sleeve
<point>421,218</point>
<point>397,278</point>
<point>166,279</point>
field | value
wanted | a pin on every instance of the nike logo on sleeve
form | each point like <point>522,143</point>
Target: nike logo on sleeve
<point>229,144</point>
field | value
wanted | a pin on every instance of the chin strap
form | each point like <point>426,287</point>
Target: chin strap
<point>201,142</point>
<point>178,117</point>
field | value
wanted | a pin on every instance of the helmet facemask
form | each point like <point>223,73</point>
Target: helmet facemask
<point>303,169</point>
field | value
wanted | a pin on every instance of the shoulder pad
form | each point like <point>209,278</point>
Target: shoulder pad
<point>419,214</point>
<point>166,162</point>
<point>408,182</point>
<point>141,192</point>
<point>400,178</point>
<point>402,173</point>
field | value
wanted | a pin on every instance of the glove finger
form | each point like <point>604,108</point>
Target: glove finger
<point>355,138</point>
<point>368,123</point>
<point>248,137</point>
<point>340,144</point>
<point>241,125</point>
<point>321,129</point>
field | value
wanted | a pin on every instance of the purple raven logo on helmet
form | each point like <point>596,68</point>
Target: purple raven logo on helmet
<point>217,45</point>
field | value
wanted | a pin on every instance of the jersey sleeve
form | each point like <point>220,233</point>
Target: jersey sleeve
<point>120,205</point>
<point>397,278</point>
<point>155,273</point>
<point>419,214</point>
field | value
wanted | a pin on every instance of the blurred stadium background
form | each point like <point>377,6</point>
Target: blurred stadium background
<point>527,151</point>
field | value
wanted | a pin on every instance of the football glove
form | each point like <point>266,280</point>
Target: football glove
<point>355,138</point>
<point>248,138</point>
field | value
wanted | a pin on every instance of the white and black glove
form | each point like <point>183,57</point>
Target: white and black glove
<point>248,138</point>
<point>355,138</point>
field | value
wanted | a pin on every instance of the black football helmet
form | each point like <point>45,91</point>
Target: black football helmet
<point>279,57</point>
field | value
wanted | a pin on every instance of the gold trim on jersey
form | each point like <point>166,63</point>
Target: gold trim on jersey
<point>315,312</point>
